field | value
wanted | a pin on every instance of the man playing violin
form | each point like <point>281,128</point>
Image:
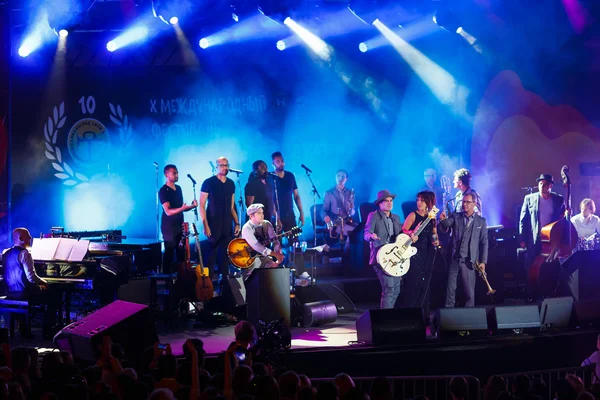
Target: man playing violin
<point>256,231</point>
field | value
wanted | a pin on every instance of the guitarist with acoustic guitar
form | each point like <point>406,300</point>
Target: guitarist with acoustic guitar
<point>256,231</point>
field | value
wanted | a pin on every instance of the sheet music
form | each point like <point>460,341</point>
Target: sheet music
<point>44,249</point>
<point>79,251</point>
<point>62,249</point>
<point>65,246</point>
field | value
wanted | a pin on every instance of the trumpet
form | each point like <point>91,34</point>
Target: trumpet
<point>483,276</point>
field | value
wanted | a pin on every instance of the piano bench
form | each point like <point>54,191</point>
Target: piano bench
<point>13,307</point>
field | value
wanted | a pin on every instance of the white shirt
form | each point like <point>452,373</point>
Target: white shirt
<point>248,235</point>
<point>545,211</point>
<point>593,359</point>
<point>585,229</point>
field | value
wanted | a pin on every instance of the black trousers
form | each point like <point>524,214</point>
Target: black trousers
<point>50,297</point>
<point>173,253</point>
<point>217,253</point>
<point>463,269</point>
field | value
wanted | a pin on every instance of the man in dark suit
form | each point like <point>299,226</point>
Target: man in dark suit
<point>537,211</point>
<point>469,246</point>
<point>381,228</point>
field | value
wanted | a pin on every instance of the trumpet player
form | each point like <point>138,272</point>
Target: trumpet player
<point>338,207</point>
<point>469,246</point>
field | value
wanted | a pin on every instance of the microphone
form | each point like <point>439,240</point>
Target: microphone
<point>273,173</point>
<point>527,188</point>
<point>306,168</point>
<point>212,166</point>
<point>155,164</point>
<point>192,179</point>
<point>237,171</point>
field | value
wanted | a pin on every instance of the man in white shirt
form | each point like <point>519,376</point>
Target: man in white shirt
<point>594,359</point>
<point>258,232</point>
<point>586,223</point>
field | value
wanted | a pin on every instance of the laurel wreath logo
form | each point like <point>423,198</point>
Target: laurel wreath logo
<point>121,120</point>
<point>53,152</point>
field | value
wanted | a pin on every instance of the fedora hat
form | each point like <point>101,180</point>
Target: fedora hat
<point>545,177</point>
<point>382,195</point>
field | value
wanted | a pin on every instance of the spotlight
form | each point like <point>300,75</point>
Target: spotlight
<point>235,17</point>
<point>174,21</point>
<point>363,47</point>
<point>447,20</point>
<point>24,51</point>
<point>459,30</point>
<point>203,43</point>
<point>63,33</point>
<point>111,46</point>
<point>274,10</point>
<point>280,45</point>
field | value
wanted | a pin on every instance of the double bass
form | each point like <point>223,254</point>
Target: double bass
<point>558,239</point>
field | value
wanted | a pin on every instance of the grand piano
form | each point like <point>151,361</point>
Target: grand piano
<point>111,260</point>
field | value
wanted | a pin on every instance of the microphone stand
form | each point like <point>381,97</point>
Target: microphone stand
<point>195,209</point>
<point>241,200</point>
<point>315,193</point>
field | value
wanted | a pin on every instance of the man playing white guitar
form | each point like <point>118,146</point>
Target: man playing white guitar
<point>256,231</point>
<point>381,228</point>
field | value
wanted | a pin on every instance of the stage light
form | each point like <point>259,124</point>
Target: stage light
<point>363,47</point>
<point>174,20</point>
<point>24,51</point>
<point>274,10</point>
<point>280,45</point>
<point>447,20</point>
<point>63,33</point>
<point>235,17</point>
<point>203,43</point>
<point>459,30</point>
<point>129,36</point>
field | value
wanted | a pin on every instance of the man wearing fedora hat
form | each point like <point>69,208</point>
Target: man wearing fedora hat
<point>381,228</point>
<point>537,211</point>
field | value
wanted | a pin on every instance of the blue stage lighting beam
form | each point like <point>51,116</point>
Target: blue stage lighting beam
<point>130,36</point>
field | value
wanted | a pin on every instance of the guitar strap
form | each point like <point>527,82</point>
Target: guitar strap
<point>261,234</point>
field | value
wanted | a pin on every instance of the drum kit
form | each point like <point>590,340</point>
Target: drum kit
<point>591,242</point>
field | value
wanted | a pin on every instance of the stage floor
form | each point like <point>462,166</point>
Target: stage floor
<point>335,335</point>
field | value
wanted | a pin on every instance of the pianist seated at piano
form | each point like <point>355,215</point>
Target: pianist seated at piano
<point>21,280</point>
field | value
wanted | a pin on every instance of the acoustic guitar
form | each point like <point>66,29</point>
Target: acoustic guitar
<point>242,255</point>
<point>204,286</point>
<point>193,278</point>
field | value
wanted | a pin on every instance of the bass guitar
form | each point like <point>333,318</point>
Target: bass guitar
<point>242,255</point>
<point>394,258</point>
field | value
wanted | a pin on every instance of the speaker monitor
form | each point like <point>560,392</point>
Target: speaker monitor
<point>318,313</point>
<point>391,326</point>
<point>515,319</point>
<point>555,313</point>
<point>588,312</point>
<point>128,324</point>
<point>320,292</point>
<point>460,322</point>
<point>268,295</point>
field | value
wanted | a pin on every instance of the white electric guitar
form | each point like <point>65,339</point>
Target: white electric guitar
<point>394,258</point>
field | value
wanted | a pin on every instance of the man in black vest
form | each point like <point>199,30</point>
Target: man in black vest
<point>469,246</point>
<point>22,281</point>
